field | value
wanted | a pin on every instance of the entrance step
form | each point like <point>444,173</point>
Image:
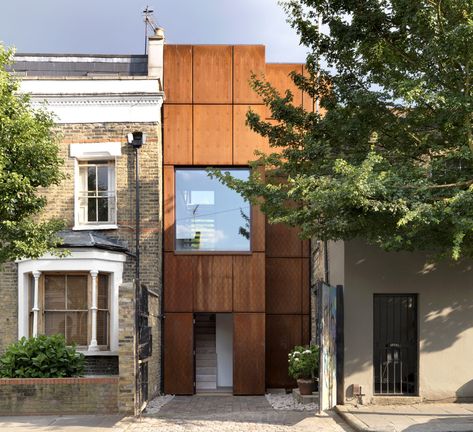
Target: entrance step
<point>207,378</point>
<point>206,337</point>
<point>206,363</point>
<point>202,385</point>
<point>206,370</point>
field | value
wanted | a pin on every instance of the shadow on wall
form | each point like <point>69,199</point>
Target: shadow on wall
<point>465,394</point>
<point>444,323</point>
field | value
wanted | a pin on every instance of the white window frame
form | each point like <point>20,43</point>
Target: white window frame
<point>88,260</point>
<point>89,152</point>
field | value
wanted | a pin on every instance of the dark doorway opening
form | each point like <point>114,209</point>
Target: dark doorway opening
<point>395,353</point>
<point>213,339</point>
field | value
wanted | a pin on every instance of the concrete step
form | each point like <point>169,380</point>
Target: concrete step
<point>205,331</point>
<point>209,350</point>
<point>206,363</point>
<point>204,337</point>
<point>206,378</point>
<point>206,386</point>
<point>205,356</point>
<point>206,370</point>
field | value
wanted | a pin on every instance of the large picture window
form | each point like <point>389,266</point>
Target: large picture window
<point>209,215</point>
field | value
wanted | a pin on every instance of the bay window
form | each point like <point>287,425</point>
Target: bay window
<point>67,306</point>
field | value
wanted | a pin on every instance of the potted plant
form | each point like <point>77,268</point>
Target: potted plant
<point>304,367</point>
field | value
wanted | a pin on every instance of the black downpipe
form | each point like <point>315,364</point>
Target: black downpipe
<point>137,282</point>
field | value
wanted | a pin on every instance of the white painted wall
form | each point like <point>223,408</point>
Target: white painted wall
<point>224,346</point>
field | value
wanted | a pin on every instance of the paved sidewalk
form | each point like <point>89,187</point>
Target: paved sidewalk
<point>69,423</point>
<point>410,418</point>
<point>189,414</point>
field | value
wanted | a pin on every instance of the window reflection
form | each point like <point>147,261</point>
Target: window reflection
<point>209,215</point>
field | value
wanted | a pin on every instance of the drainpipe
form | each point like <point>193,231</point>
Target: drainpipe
<point>136,140</point>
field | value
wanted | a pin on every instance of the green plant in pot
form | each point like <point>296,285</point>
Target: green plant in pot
<point>304,367</point>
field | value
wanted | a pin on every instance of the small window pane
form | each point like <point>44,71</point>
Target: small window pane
<point>30,291</point>
<point>77,292</point>
<point>102,204</point>
<point>210,216</point>
<point>54,323</point>
<point>92,210</point>
<point>102,178</point>
<point>92,179</point>
<point>76,328</point>
<point>102,291</point>
<point>55,291</point>
<point>102,327</point>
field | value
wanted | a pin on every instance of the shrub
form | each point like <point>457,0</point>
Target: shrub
<point>41,357</point>
<point>304,362</point>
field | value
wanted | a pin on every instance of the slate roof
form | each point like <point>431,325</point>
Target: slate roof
<point>88,239</point>
<point>76,65</point>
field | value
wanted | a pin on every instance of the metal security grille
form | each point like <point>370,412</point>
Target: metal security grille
<point>395,344</point>
<point>145,343</point>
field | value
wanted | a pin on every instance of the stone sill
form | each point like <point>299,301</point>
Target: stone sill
<point>99,353</point>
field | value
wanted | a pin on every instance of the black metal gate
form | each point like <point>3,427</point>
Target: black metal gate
<point>395,344</point>
<point>145,344</point>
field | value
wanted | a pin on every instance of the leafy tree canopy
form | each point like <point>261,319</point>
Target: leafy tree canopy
<point>388,157</point>
<point>29,161</point>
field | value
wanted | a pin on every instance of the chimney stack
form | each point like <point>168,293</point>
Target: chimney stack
<point>155,54</point>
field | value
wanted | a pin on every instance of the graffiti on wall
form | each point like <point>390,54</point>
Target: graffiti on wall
<point>328,353</point>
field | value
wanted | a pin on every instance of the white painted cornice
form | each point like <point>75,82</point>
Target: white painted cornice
<point>98,101</point>
<point>96,108</point>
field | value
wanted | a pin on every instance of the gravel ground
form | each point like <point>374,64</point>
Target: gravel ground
<point>157,403</point>
<point>286,402</point>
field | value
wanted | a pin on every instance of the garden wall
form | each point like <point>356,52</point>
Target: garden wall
<point>37,396</point>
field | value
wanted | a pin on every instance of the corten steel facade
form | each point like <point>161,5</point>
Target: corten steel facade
<point>267,290</point>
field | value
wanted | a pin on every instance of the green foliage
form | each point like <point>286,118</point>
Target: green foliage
<point>391,161</point>
<point>41,357</point>
<point>29,161</point>
<point>304,362</point>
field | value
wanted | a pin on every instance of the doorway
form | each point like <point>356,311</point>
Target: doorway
<point>395,353</point>
<point>213,336</point>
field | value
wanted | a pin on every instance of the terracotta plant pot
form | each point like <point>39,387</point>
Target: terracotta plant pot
<point>306,386</point>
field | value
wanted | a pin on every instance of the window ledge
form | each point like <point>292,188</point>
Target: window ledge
<point>98,353</point>
<point>94,227</point>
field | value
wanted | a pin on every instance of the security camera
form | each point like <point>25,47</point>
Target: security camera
<point>136,139</point>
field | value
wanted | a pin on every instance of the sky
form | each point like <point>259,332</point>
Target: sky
<point>116,26</point>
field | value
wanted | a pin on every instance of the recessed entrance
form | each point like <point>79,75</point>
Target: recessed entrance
<point>213,338</point>
<point>395,344</point>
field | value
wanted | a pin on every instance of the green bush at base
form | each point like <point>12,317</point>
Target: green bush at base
<point>41,357</point>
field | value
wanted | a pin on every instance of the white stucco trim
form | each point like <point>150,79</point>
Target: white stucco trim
<point>63,87</point>
<point>86,259</point>
<point>97,101</point>
<point>98,150</point>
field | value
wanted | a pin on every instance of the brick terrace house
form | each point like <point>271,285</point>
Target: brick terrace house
<point>229,295</point>
<point>97,101</point>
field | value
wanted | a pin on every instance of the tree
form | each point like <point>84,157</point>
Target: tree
<point>29,161</point>
<point>391,160</point>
